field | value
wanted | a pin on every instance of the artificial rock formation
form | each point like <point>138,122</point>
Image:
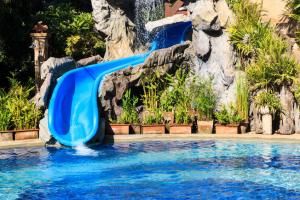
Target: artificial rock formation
<point>51,70</point>
<point>225,14</point>
<point>215,57</point>
<point>113,22</point>
<point>89,61</point>
<point>287,124</point>
<point>204,15</point>
<point>209,55</point>
<point>115,85</point>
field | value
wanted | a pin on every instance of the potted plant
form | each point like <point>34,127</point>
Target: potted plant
<point>152,118</point>
<point>242,102</point>
<point>267,104</point>
<point>181,102</point>
<point>204,101</point>
<point>24,114</point>
<point>152,122</point>
<point>228,120</point>
<point>167,105</point>
<point>182,121</point>
<point>128,119</point>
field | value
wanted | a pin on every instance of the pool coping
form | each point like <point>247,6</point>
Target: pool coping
<point>21,143</point>
<point>295,138</point>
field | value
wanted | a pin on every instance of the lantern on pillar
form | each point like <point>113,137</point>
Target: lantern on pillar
<point>40,47</point>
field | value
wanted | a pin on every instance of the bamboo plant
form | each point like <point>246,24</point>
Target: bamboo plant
<point>242,98</point>
<point>150,97</point>
<point>129,114</point>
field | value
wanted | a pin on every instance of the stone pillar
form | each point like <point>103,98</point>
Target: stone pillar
<point>267,125</point>
<point>297,118</point>
<point>287,119</point>
<point>40,47</point>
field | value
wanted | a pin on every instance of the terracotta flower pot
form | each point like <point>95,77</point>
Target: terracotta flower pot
<point>227,129</point>
<point>135,129</point>
<point>26,134</point>
<point>118,129</point>
<point>154,129</point>
<point>205,127</point>
<point>6,136</point>
<point>180,129</point>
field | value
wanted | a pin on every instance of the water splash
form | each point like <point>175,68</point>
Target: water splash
<point>83,150</point>
<point>145,11</point>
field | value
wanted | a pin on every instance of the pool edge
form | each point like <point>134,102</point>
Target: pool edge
<point>196,137</point>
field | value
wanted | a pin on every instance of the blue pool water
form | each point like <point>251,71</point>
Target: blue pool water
<point>153,170</point>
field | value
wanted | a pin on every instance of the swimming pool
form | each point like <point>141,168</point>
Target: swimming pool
<point>153,170</point>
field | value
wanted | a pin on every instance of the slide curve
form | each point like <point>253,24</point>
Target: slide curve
<point>73,116</point>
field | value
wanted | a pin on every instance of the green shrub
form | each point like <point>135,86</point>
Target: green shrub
<point>176,91</point>
<point>228,115</point>
<point>263,53</point>
<point>84,46</point>
<point>269,100</point>
<point>24,114</point>
<point>71,31</point>
<point>271,72</point>
<point>182,115</point>
<point>5,116</point>
<point>153,117</point>
<point>203,97</point>
<point>166,95</point>
<point>151,94</point>
<point>294,14</point>
<point>168,100</point>
<point>246,37</point>
<point>242,97</point>
<point>179,96</point>
<point>129,114</point>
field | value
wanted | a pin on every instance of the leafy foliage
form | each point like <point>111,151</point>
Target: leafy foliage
<point>129,114</point>
<point>182,115</point>
<point>167,94</point>
<point>84,46</point>
<point>5,115</point>
<point>153,117</point>
<point>16,110</point>
<point>228,115</point>
<point>267,99</point>
<point>179,96</point>
<point>71,31</point>
<point>294,14</point>
<point>203,97</point>
<point>263,53</point>
<point>151,88</point>
<point>175,91</point>
<point>242,98</point>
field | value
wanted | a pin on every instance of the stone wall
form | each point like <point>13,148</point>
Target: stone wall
<point>114,21</point>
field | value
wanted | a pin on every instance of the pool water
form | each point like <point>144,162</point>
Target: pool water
<point>153,170</point>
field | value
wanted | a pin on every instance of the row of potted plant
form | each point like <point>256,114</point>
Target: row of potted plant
<point>176,102</point>
<point>18,115</point>
<point>226,123</point>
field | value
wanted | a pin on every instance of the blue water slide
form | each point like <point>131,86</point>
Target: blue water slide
<point>73,110</point>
